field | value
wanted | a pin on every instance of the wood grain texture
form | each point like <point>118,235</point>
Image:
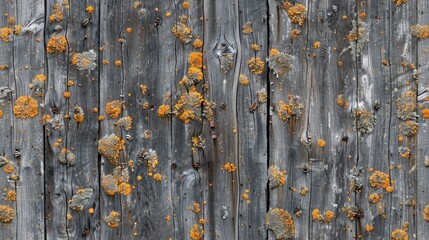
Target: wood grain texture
<point>352,63</point>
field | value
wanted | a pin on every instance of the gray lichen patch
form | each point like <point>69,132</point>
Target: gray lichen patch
<point>109,184</point>
<point>225,53</point>
<point>125,122</point>
<point>85,60</point>
<point>407,113</point>
<point>291,109</point>
<point>66,157</point>
<point>113,219</point>
<point>121,173</point>
<point>365,121</point>
<point>110,147</point>
<point>279,62</point>
<point>182,31</point>
<point>404,152</point>
<point>276,177</point>
<point>281,223</point>
<point>38,85</point>
<point>262,95</point>
<point>81,199</point>
<point>358,37</point>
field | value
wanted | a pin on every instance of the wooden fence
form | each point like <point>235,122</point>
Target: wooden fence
<point>214,119</point>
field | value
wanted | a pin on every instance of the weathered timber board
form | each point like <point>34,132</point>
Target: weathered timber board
<point>183,111</point>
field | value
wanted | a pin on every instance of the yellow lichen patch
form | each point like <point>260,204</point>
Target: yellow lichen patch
<point>229,167</point>
<point>10,195</point>
<point>67,94</point>
<point>5,33</point>
<point>316,215</point>
<point>17,29</point>
<point>195,73</point>
<point>182,31</point>
<point>425,113</point>
<point>342,102</point>
<point>157,177</point>
<point>369,228</point>
<point>91,211</point>
<point>297,13</point>
<point>276,177</point>
<point>25,107</point>
<point>118,63</point>
<point>374,197</point>
<point>295,33</point>
<point>57,44</point>
<point>89,9</point>
<point>292,109</point>
<point>185,5</point>
<point>244,80</point>
<point>188,105</point>
<point>113,108</point>
<point>195,207</point>
<point>256,65</point>
<point>304,191</point>
<point>6,214</point>
<point>316,45</point>
<point>198,43</point>
<point>399,234</point>
<point>195,59</point>
<point>143,88</point>
<point>11,20</point>
<point>196,232</point>
<point>321,143</point>
<point>56,15</point>
<point>420,31</point>
<point>247,28</point>
<point>389,189</point>
<point>110,147</point>
<point>399,2</point>
<point>281,223</point>
<point>124,188</point>
<point>362,15</point>
<point>379,180</point>
<point>113,219</point>
<point>329,215</point>
<point>426,213</point>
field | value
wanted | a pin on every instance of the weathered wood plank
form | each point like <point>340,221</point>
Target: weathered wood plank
<point>252,124</point>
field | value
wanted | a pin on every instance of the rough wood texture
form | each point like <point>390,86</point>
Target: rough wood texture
<point>352,105</point>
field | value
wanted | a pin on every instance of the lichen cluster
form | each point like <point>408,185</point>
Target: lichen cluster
<point>420,31</point>
<point>81,199</point>
<point>38,85</point>
<point>276,177</point>
<point>66,157</point>
<point>113,219</point>
<point>407,113</point>
<point>358,37</point>
<point>25,107</point>
<point>182,31</point>
<point>110,146</point>
<point>7,214</point>
<point>85,60</point>
<point>57,44</point>
<point>291,109</point>
<point>281,223</point>
<point>297,13</point>
<point>365,121</point>
<point>279,62</point>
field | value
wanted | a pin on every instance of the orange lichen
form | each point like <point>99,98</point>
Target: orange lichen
<point>195,59</point>
<point>256,65</point>
<point>244,80</point>
<point>124,188</point>
<point>6,214</point>
<point>118,63</point>
<point>321,143</point>
<point>25,107</point>
<point>110,147</point>
<point>362,15</point>
<point>17,29</point>
<point>157,177</point>
<point>109,184</point>
<point>329,215</point>
<point>89,9</point>
<point>399,234</point>
<point>425,113</point>
<point>113,219</point>
<point>420,31</point>
<point>316,215</point>
<point>185,5</point>
<point>276,177</point>
<point>57,44</point>
<point>295,33</point>
<point>198,43</point>
<point>399,2</point>
<point>292,109</point>
<point>195,207</point>
<point>426,213</point>
<point>281,223</point>
<point>196,232</point>
<point>67,94</point>
<point>57,15</point>
<point>389,189</point>
<point>342,102</point>
<point>229,167</point>
<point>8,168</point>
<point>11,195</point>
<point>1,114</point>
<point>254,47</point>
<point>188,105</point>
<point>297,13</point>
<point>5,33</point>
<point>11,20</point>
<point>91,211</point>
<point>247,28</point>
<point>374,197</point>
<point>182,31</point>
<point>316,45</point>
<point>113,108</point>
<point>369,228</point>
<point>195,73</point>
<point>379,180</point>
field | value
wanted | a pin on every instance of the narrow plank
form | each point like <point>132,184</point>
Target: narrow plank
<point>252,125</point>
<point>422,137</point>
<point>82,136</point>
<point>112,78</point>
<point>222,36</point>
<point>7,97</point>
<point>57,179</point>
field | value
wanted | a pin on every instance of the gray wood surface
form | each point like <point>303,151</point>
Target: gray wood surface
<point>353,64</point>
